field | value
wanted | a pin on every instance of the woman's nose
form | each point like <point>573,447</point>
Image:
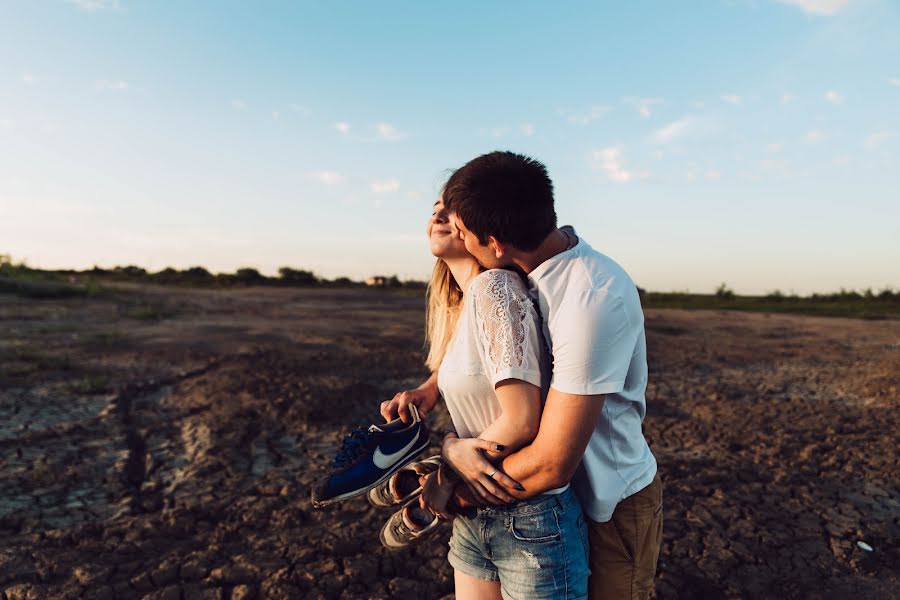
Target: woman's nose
<point>440,216</point>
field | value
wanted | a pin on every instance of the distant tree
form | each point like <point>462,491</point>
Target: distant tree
<point>5,259</point>
<point>297,277</point>
<point>249,276</point>
<point>130,271</point>
<point>724,292</point>
<point>775,296</point>
<point>343,281</point>
<point>393,282</point>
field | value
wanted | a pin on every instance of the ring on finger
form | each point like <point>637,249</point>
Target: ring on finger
<point>492,473</point>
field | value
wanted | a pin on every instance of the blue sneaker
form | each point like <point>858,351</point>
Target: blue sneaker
<point>369,456</point>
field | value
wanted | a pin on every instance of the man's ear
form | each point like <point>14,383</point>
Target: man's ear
<point>497,247</point>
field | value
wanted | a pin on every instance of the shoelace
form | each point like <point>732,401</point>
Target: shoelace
<point>352,446</point>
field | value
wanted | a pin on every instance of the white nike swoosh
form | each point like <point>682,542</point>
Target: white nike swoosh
<point>383,461</point>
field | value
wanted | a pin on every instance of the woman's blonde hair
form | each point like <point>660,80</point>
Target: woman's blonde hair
<point>444,304</point>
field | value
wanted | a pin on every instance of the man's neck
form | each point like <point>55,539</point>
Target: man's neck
<point>555,243</point>
<point>463,270</point>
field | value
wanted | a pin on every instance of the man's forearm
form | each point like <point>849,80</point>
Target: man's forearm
<point>551,459</point>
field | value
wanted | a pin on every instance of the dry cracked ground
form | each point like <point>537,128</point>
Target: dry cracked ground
<point>159,443</point>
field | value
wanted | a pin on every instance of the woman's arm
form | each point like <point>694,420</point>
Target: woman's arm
<point>517,426</point>
<point>424,397</point>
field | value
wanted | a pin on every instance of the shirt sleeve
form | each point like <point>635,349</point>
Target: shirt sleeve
<point>507,328</point>
<point>594,339</point>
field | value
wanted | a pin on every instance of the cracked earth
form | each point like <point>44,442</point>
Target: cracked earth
<point>160,444</point>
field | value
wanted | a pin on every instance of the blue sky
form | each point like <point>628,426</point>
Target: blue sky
<point>750,142</point>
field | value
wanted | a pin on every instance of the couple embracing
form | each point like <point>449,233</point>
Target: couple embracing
<point>536,344</point>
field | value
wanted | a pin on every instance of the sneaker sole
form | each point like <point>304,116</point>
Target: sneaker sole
<point>399,465</point>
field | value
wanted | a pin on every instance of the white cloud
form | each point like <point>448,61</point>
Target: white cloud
<point>814,136</point>
<point>894,81</point>
<point>238,104</point>
<point>112,86</point>
<point>877,138</point>
<point>834,97</point>
<point>96,5</point>
<point>674,130</point>
<point>642,105</point>
<point>593,113</point>
<point>388,132</point>
<point>731,98</point>
<point>276,115</point>
<point>787,98</point>
<point>28,79</point>
<point>343,127</point>
<point>818,7</point>
<point>327,177</point>
<point>387,186</point>
<point>497,132</point>
<point>611,160</point>
<point>527,129</point>
<point>713,174</point>
<point>6,124</point>
<point>301,110</point>
<point>775,147</point>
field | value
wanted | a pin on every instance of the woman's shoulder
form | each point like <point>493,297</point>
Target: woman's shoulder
<point>497,283</point>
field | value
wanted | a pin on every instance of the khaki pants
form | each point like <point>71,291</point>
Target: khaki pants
<point>624,550</point>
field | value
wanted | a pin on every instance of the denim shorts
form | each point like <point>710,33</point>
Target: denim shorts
<point>536,548</point>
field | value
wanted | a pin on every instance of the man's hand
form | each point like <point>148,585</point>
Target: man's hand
<point>467,458</point>
<point>437,489</point>
<point>463,497</point>
<point>424,397</point>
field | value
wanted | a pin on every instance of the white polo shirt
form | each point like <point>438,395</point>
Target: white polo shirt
<point>594,325</point>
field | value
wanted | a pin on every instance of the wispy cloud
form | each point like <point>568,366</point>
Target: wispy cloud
<point>6,123</point>
<point>814,136</point>
<point>834,97</point>
<point>787,98</point>
<point>104,85</point>
<point>894,81</point>
<point>674,130</point>
<point>386,186</point>
<point>238,104</point>
<point>642,105</point>
<point>327,177</point>
<point>343,127</point>
<point>775,147</point>
<point>28,79</point>
<point>97,5</point>
<point>878,138</point>
<point>389,133</point>
<point>611,160</point>
<point>301,110</point>
<point>527,129</point>
<point>818,7</point>
<point>713,174</point>
<point>730,98</point>
<point>585,117</point>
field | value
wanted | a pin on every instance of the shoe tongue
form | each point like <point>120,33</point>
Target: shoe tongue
<point>375,428</point>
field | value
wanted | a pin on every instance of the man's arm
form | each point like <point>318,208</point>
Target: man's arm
<point>550,460</point>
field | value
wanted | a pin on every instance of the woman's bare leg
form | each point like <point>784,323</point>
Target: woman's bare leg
<point>472,588</point>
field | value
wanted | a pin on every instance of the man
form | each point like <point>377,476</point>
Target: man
<point>590,431</point>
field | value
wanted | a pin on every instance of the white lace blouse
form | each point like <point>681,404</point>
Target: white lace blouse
<point>498,337</point>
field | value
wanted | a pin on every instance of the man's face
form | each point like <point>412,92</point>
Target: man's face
<point>485,255</point>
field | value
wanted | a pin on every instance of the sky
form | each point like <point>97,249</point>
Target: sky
<point>755,143</point>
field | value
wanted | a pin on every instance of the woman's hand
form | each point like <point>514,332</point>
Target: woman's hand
<point>467,458</point>
<point>424,397</point>
<point>437,490</point>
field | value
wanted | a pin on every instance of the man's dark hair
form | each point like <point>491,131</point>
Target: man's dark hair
<point>506,195</point>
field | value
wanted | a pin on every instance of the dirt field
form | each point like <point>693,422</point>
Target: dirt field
<point>160,444</point>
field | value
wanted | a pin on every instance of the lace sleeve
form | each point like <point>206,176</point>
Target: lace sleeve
<point>507,329</point>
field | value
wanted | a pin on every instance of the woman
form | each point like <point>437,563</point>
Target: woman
<point>493,373</point>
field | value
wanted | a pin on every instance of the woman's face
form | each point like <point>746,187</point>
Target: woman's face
<point>443,235</point>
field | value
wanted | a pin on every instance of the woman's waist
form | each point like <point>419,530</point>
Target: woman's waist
<point>560,497</point>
